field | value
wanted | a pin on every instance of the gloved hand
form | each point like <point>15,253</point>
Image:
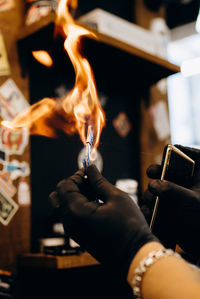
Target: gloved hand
<point>112,231</point>
<point>181,205</point>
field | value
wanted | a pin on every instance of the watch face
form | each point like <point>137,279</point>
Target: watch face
<point>98,161</point>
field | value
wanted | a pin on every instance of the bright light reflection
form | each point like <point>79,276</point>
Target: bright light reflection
<point>198,23</point>
<point>183,92</point>
<point>190,67</point>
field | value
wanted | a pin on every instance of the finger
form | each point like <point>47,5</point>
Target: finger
<point>69,192</point>
<point>146,212</point>
<point>100,185</point>
<point>54,200</point>
<point>70,197</point>
<point>55,204</point>
<point>154,171</point>
<point>72,184</point>
<point>149,199</point>
<point>171,191</point>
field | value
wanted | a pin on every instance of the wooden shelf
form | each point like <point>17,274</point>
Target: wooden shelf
<point>40,260</point>
<point>168,68</point>
<point>137,52</point>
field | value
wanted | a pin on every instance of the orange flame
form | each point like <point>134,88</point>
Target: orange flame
<point>43,57</point>
<point>81,106</point>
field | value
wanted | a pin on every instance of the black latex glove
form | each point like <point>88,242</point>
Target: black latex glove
<point>112,231</point>
<point>181,205</point>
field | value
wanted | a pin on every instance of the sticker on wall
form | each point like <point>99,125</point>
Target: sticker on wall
<point>6,4</point>
<point>23,193</point>
<point>14,169</point>
<point>14,141</point>
<point>12,100</point>
<point>4,64</point>
<point>8,208</point>
<point>5,176</point>
<point>159,114</point>
<point>8,188</point>
<point>17,169</point>
<point>122,124</point>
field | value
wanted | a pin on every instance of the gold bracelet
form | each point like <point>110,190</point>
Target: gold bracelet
<point>145,264</point>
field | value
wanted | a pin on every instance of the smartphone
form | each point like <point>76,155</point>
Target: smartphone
<point>177,167</point>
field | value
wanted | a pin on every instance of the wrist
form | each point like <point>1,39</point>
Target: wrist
<point>140,255</point>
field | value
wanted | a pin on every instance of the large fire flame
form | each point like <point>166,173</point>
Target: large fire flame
<point>81,107</point>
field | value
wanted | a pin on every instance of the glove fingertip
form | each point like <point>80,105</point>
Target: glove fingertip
<point>91,168</point>
<point>54,199</point>
<point>154,185</point>
<point>154,171</point>
<point>93,173</point>
<point>101,186</point>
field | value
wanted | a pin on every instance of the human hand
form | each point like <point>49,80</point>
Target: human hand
<point>112,231</point>
<point>180,205</point>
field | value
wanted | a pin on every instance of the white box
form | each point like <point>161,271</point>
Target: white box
<point>118,28</point>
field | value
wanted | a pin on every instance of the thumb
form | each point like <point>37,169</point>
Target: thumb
<point>171,191</point>
<point>100,185</point>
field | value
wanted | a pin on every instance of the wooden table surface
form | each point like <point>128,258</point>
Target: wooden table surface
<point>57,262</point>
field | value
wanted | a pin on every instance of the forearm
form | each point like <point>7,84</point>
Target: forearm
<point>168,278</point>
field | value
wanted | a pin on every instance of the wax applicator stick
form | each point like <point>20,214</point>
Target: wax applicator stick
<point>88,147</point>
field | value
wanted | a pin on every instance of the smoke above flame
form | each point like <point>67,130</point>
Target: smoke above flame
<point>80,108</point>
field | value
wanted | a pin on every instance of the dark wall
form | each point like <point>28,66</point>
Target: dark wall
<point>121,8</point>
<point>178,12</point>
